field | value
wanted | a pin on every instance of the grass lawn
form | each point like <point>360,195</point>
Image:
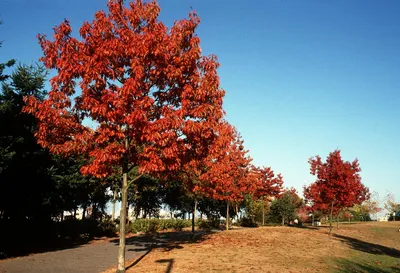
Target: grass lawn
<point>365,247</point>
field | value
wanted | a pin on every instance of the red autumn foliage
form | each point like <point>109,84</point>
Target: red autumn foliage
<point>228,172</point>
<point>139,82</point>
<point>267,184</point>
<point>303,213</point>
<point>338,184</point>
<point>347,214</point>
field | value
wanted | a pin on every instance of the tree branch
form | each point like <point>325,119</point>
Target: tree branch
<point>133,180</point>
<point>130,168</point>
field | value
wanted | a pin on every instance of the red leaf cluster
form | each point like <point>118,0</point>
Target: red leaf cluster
<point>228,169</point>
<point>267,184</point>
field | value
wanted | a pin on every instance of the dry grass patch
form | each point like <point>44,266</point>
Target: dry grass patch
<point>277,249</point>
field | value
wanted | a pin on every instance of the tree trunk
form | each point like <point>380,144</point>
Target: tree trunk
<point>283,220</point>
<point>74,213</point>
<point>312,223</point>
<point>83,212</point>
<point>62,216</point>
<point>330,219</point>
<point>113,204</point>
<point>122,221</point>
<point>337,222</point>
<point>227,216</point>
<point>127,213</point>
<point>194,215</point>
<point>94,211</point>
<point>263,213</point>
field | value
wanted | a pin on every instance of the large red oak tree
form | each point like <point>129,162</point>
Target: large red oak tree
<point>338,184</point>
<point>130,93</point>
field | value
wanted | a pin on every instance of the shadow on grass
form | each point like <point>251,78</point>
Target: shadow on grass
<point>170,263</point>
<point>368,247</point>
<point>345,265</point>
<point>359,245</point>
<point>165,241</point>
<point>139,259</point>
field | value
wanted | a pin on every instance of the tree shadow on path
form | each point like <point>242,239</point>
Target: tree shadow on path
<point>165,241</point>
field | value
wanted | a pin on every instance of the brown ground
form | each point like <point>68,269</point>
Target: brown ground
<point>274,249</point>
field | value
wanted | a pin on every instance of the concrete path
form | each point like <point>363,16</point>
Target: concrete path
<point>92,258</point>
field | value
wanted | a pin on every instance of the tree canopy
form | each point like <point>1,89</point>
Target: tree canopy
<point>338,184</point>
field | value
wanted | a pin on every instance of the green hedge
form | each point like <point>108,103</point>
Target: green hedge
<point>208,224</point>
<point>154,225</point>
<point>247,222</point>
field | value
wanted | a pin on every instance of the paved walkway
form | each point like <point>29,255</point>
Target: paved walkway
<point>91,258</point>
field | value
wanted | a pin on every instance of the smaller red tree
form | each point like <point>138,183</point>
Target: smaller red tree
<point>303,213</point>
<point>266,185</point>
<point>338,184</point>
<point>228,174</point>
<point>347,215</point>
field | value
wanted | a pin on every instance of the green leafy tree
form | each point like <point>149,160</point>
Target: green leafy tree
<point>178,198</point>
<point>254,209</point>
<point>145,195</point>
<point>22,160</point>
<point>285,207</point>
<point>5,65</point>
<point>391,206</point>
<point>74,190</point>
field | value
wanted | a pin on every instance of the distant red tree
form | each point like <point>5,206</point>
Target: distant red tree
<point>347,215</point>
<point>228,174</point>
<point>338,184</point>
<point>198,159</point>
<point>303,213</point>
<point>265,185</point>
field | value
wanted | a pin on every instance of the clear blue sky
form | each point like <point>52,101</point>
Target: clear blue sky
<point>302,77</point>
